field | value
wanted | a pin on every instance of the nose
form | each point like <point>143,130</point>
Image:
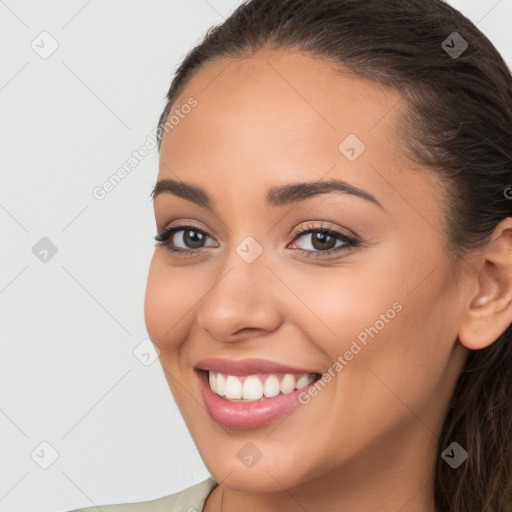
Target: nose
<point>242,302</point>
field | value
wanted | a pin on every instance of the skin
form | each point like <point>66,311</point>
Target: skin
<point>367,441</point>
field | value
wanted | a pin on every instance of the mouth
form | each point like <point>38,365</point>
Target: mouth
<point>257,387</point>
<point>251,393</point>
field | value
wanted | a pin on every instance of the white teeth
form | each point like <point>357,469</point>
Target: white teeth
<point>212,378</point>
<point>271,386</point>
<point>233,387</point>
<point>287,385</point>
<point>302,382</point>
<point>253,389</point>
<point>221,384</point>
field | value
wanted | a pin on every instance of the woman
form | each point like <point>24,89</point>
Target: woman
<point>330,291</point>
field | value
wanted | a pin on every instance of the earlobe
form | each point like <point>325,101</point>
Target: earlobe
<point>480,301</point>
<point>489,312</point>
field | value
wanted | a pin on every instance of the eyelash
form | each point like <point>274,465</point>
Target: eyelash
<point>163,239</point>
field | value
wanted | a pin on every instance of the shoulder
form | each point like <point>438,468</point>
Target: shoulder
<point>190,499</point>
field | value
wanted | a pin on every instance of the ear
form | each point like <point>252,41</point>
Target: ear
<point>489,312</point>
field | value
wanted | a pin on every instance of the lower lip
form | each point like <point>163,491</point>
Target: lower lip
<point>242,416</point>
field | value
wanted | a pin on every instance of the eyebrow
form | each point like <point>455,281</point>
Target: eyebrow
<point>277,196</point>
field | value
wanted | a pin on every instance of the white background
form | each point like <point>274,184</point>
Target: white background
<point>68,375</point>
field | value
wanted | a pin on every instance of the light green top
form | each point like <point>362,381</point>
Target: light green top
<point>189,500</point>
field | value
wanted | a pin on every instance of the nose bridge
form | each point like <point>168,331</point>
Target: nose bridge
<point>244,271</point>
<point>241,296</point>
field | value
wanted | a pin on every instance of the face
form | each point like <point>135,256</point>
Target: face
<point>344,277</point>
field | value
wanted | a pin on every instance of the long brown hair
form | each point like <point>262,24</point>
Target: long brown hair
<point>459,123</point>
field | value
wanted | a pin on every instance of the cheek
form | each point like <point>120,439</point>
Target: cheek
<point>357,303</point>
<point>170,296</point>
<point>388,319</point>
<point>403,354</point>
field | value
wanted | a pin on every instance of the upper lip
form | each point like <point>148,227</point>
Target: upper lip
<point>244,367</point>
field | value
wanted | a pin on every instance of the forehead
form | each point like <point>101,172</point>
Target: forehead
<point>277,118</point>
<point>273,92</point>
<point>275,99</point>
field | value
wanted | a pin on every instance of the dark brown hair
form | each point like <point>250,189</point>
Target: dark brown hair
<point>458,123</point>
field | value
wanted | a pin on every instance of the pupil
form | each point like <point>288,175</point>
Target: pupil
<point>195,240</point>
<point>322,238</point>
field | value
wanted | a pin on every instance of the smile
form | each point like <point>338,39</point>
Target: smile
<point>251,393</point>
<point>253,388</point>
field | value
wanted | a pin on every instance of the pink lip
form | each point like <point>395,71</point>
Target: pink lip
<point>241,416</point>
<point>243,367</point>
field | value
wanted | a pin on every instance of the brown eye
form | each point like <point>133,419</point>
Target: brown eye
<point>184,239</point>
<point>322,241</point>
<point>319,241</point>
<point>192,239</point>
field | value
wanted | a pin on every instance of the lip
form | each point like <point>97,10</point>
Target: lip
<point>251,415</point>
<point>244,367</point>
